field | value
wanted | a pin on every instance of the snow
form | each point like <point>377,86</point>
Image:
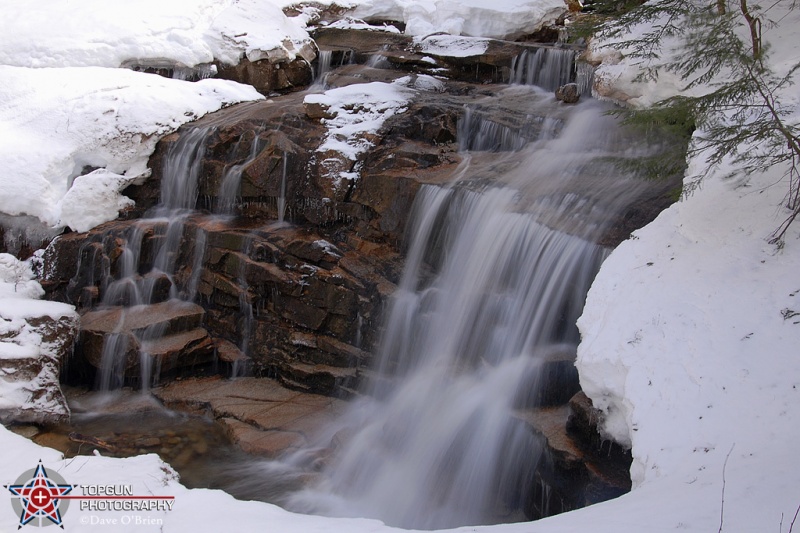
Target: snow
<point>56,121</point>
<point>690,342</point>
<point>498,19</point>
<point>61,116</point>
<point>357,111</point>
<point>350,23</point>
<point>452,46</point>
<point>694,356</point>
<point>106,34</point>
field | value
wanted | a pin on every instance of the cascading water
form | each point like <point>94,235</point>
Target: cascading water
<point>282,193</point>
<point>436,443</point>
<point>131,290</point>
<point>232,177</point>
<point>322,69</point>
<point>497,269</point>
<point>548,68</point>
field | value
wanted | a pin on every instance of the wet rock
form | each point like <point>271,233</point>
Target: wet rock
<point>568,93</point>
<point>237,363</point>
<point>321,378</point>
<point>494,65</point>
<point>256,441</point>
<point>168,317</point>
<point>317,110</point>
<point>186,349</point>
<point>134,329</point>
<point>267,76</point>
<point>260,415</point>
<point>574,475</point>
<point>229,352</point>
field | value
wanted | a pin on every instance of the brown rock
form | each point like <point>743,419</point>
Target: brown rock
<point>178,350</point>
<point>568,93</point>
<point>260,415</point>
<point>268,77</point>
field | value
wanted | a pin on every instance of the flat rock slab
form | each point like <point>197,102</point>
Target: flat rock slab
<point>170,331</point>
<point>260,415</point>
<point>172,315</point>
<point>186,349</point>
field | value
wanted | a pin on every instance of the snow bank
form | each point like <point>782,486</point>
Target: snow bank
<point>58,124</point>
<point>61,117</point>
<point>350,23</point>
<point>690,334</point>
<point>498,19</point>
<point>54,33</point>
<point>34,336</point>
<point>690,350</point>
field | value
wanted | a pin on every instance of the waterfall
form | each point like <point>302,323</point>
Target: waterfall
<point>245,303</point>
<point>282,194</point>
<point>379,60</point>
<point>476,133</point>
<point>197,263</point>
<point>182,168</point>
<point>436,444</point>
<point>584,77</point>
<point>497,267</point>
<point>131,289</point>
<point>232,177</point>
<point>323,68</point>
<point>548,68</point>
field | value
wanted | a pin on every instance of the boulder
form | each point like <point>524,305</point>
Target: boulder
<point>269,76</point>
<point>568,93</point>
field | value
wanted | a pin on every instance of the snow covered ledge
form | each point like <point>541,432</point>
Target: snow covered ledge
<point>35,338</point>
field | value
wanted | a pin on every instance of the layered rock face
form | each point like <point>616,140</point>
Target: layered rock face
<point>299,307</point>
<point>300,302</point>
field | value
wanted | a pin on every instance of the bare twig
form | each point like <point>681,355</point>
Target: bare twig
<point>722,503</point>
<point>791,526</point>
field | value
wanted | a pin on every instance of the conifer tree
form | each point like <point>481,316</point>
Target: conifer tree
<point>730,91</point>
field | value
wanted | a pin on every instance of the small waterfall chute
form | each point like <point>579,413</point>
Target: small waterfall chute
<point>545,67</point>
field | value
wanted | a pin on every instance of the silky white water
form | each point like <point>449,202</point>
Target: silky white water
<point>497,268</point>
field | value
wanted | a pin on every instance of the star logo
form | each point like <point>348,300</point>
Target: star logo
<point>36,496</point>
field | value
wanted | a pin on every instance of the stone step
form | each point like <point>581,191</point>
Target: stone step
<point>169,317</point>
<point>317,378</point>
<point>153,286</point>
<point>164,329</point>
<point>180,350</point>
<point>229,354</point>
